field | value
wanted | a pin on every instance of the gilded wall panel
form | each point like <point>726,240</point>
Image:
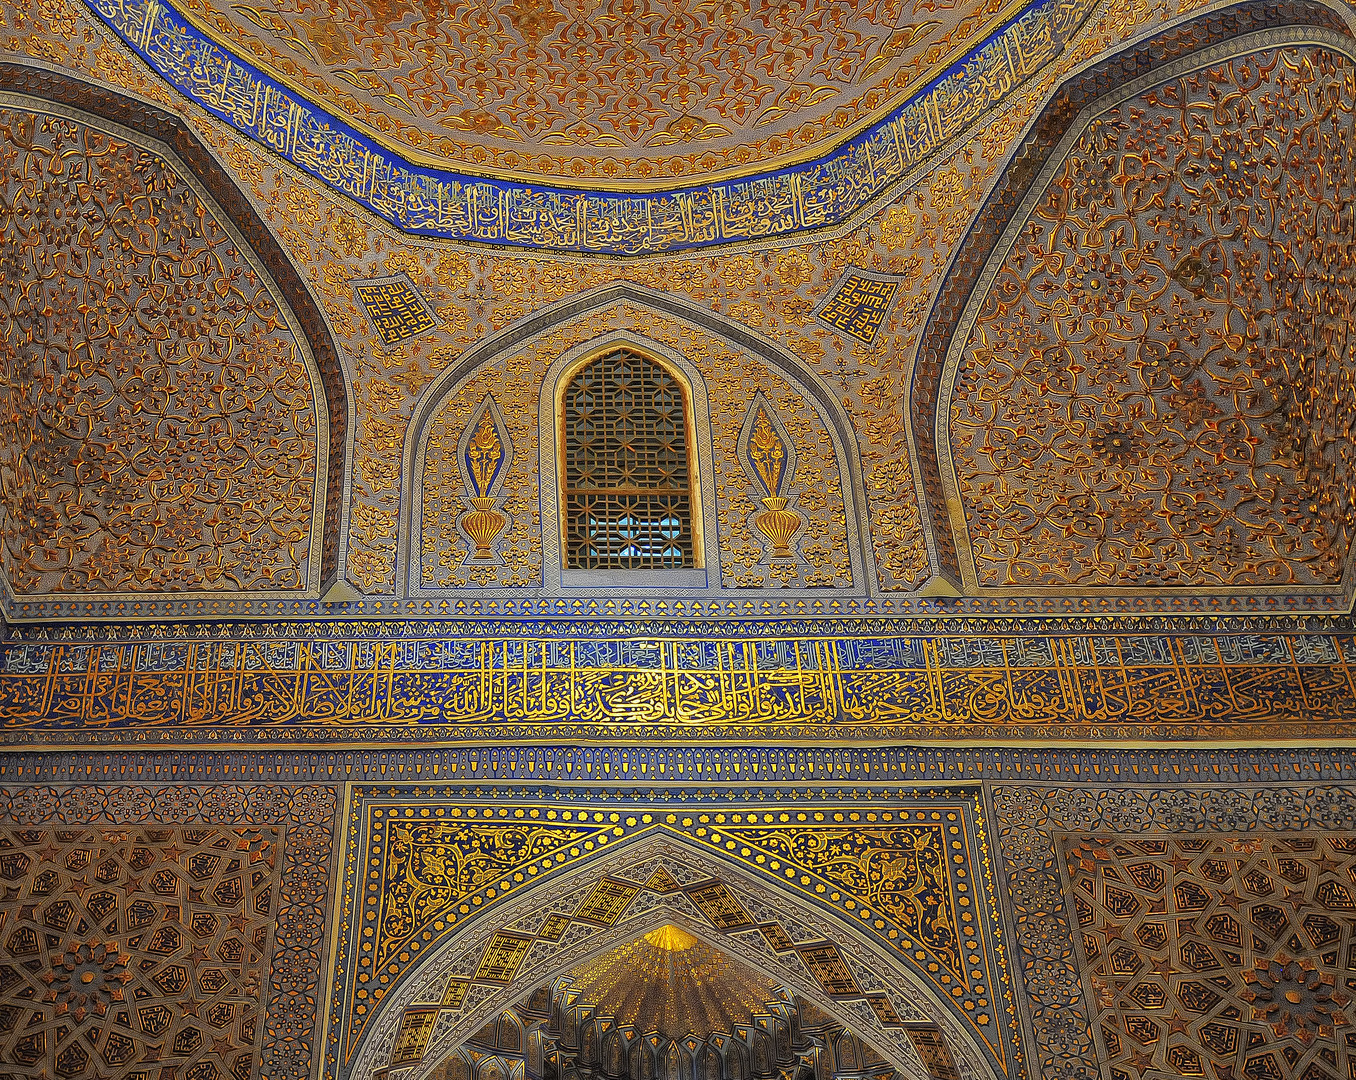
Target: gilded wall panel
<point>773,293</point>
<point>143,949</point>
<point>473,293</point>
<point>1217,954</point>
<point>160,418</point>
<point>1155,390</point>
<point>1146,912</point>
<point>732,380</point>
<point>1190,930</point>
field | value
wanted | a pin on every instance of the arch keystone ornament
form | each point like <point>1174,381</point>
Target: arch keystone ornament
<point>882,918</point>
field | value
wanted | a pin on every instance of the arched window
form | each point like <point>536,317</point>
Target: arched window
<point>627,478</point>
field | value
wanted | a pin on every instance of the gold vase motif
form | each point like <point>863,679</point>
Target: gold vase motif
<point>483,524</point>
<point>483,455</point>
<point>778,524</point>
<point>775,521</point>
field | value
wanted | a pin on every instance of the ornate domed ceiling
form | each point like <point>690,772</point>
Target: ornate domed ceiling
<point>996,368</point>
<point>512,124</point>
<point>613,91</point>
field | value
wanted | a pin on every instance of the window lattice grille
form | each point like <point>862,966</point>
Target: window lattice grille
<point>628,502</point>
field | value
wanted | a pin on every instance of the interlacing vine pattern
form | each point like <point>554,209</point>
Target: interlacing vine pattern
<point>1159,387</point>
<point>157,420</point>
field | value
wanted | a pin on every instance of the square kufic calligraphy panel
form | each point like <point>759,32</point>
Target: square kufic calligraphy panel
<point>909,870</point>
<point>859,303</point>
<point>396,309</point>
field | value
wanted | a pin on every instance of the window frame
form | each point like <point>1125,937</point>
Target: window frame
<point>694,574</point>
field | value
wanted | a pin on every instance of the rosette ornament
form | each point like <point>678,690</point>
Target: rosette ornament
<point>768,455</point>
<point>484,455</point>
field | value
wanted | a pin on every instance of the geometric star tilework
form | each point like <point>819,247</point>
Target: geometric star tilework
<point>859,305</point>
<point>137,952</point>
<point>1229,957</point>
<point>396,310</point>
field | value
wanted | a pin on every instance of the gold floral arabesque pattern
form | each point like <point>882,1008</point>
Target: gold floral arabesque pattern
<point>430,866</point>
<point>1159,390</point>
<point>767,454</point>
<point>136,952</point>
<point>732,382</point>
<point>775,292</point>
<point>900,873</point>
<point>484,452</point>
<point>158,424</point>
<point>767,459</point>
<point>1223,956</point>
<point>911,237</point>
<point>647,89</point>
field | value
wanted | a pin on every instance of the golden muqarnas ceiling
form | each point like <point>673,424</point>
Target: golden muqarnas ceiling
<point>160,427</point>
<point>668,980</point>
<point>620,89</point>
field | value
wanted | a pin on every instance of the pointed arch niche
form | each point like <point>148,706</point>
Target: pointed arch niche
<point>719,367</point>
<point>653,888</point>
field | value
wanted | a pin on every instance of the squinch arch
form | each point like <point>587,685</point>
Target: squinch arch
<point>1055,295</point>
<point>20,83</point>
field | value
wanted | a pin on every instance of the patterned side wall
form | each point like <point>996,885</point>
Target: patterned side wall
<point>149,931</point>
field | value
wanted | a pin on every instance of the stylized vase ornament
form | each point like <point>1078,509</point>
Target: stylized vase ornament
<point>767,453</point>
<point>778,524</point>
<point>775,521</point>
<point>482,525</point>
<point>483,454</point>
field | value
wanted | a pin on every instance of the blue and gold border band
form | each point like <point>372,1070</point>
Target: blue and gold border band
<point>434,202</point>
<point>438,688</point>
